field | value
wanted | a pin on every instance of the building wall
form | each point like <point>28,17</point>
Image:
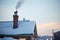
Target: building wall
<point>25,37</point>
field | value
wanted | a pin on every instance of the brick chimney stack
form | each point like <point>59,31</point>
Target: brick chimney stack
<point>15,20</point>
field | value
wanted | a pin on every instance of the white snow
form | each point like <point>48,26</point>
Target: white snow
<point>8,38</point>
<point>24,27</point>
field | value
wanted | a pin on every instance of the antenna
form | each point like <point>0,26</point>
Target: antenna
<point>53,34</point>
<point>53,31</point>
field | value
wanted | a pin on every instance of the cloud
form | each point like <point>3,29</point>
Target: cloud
<point>46,29</point>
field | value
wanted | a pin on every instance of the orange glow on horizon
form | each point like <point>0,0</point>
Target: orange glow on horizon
<point>46,29</point>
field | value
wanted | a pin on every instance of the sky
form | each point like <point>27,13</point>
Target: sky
<point>46,13</point>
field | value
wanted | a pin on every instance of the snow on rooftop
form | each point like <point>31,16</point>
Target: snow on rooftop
<point>24,27</point>
<point>8,38</point>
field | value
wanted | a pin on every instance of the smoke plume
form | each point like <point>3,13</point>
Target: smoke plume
<point>19,3</point>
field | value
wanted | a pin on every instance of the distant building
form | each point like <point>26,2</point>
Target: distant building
<point>44,37</point>
<point>24,29</point>
<point>57,35</point>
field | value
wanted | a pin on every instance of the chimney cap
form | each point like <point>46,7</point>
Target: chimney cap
<point>15,12</point>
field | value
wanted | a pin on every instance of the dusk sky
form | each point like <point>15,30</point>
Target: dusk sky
<point>46,13</point>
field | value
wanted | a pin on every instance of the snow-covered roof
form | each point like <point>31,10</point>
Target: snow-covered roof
<point>24,27</point>
<point>8,38</point>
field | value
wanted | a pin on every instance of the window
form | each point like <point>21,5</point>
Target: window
<point>22,39</point>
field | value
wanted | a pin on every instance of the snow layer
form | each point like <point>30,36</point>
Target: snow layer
<point>24,27</point>
<point>8,38</point>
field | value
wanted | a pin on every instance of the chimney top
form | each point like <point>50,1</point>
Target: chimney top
<point>15,12</point>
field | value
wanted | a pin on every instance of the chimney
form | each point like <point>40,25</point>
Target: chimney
<point>15,20</point>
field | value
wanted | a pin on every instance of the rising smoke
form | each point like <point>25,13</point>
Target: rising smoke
<point>19,3</point>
